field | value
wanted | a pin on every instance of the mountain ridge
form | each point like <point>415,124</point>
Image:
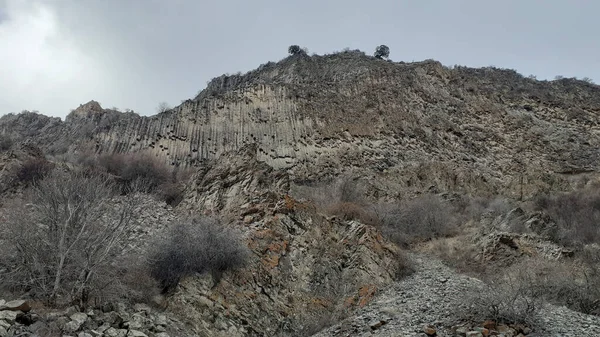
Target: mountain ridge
<point>317,116</point>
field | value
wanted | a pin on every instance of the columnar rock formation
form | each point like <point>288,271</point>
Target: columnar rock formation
<point>445,128</point>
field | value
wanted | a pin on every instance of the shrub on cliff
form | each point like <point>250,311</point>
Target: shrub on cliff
<point>140,169</point>
<point>33,170</point>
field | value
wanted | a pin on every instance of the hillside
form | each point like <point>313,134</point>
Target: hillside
<point>347,191</point>
<point>478,130</point>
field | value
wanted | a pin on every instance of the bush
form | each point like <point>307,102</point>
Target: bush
<point>577,215</point>
<point>135,169</point>
<point>198,246</point>
<point>64,237</point>
<point>420,219</point>
<point>171,193</point>
<point>508,298</point>
<point>33,170</point>
<point>567,283</point>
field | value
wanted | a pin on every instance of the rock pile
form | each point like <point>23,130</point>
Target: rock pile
<point>18,319</point>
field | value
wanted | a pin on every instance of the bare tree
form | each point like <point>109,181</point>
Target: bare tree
<point>163,107</point>
<point>67,229</point>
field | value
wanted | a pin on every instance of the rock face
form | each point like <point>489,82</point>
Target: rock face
<point>303,266</point>
<point>486,130</point>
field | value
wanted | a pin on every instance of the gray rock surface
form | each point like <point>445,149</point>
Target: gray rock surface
<point>434,295</point>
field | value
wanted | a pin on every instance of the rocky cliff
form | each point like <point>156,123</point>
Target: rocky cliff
<point>420,125</point>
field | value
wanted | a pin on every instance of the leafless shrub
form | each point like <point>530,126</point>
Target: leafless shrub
<point>507,298</point>
<point>171,193</point>
<point>33,170</point>
<point>198,246</point>
<point>423,218</point>
<point>163,107</point>
<point>129,168</point>
<point>577,215</point>
<point>568,283</point>
<point>64,237</point>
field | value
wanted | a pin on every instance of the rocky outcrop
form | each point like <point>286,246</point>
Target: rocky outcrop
<point>303,265</point>
<point>419,125</point>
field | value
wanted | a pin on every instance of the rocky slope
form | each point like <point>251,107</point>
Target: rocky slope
<point>304,265</point>
<point>430,301</point>
<point>477,130</point>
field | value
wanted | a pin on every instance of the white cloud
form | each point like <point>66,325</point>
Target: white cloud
<point>40,65</point>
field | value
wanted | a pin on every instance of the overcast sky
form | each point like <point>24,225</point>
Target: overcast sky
<point>57,54</point>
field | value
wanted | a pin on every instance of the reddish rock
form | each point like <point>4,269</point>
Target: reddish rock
<point>489,324</point>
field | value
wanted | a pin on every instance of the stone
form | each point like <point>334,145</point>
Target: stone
<point>136,333</point>
<point>84,334</point>
<point>71,310</point>
<point>162,334</point>
<point>17,305</point>
<point>3,332</point>
<point>112,332</point>
<point>459,330</point>
<point>473,334</point>
<point>72,326</point>
<point>142,307</point>
<point>9,316</point>
<point>79,317</point>
<point>430,330</point>
<point>376,324</point>
<point>160,319</point>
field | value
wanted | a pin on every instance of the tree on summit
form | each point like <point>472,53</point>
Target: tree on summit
<point>296,50</point>
<point>382,52</point>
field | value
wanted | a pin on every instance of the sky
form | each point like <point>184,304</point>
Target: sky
<point>134,54</point>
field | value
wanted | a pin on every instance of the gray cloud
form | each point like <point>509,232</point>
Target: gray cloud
<point>56,54</point>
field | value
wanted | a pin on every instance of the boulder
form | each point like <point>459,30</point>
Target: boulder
<point>16,305</point>
<point>9,316</point>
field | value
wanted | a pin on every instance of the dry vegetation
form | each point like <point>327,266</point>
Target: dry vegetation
<point>196,246</point>
<point>70,229</point>
<point>515,292</point>
<point>65,236</point>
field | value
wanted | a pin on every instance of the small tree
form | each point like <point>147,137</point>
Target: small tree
<point>296,50</point>
<point>65,236</point>
<point>163,107</point>
<point>382,52</point>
